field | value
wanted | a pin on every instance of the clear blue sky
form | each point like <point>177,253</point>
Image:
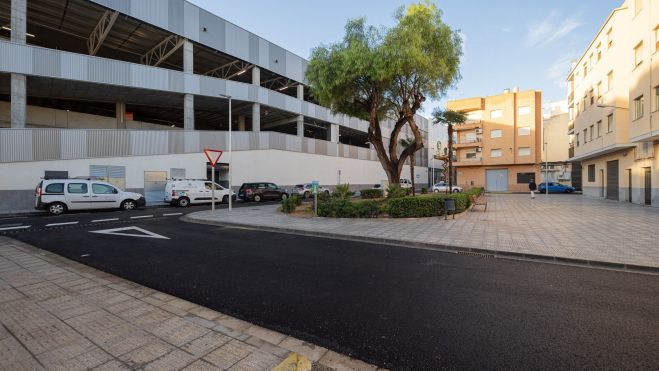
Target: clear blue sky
<point>507,43</point>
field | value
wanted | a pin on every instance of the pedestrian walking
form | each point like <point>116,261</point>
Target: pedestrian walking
<point>532,188</point>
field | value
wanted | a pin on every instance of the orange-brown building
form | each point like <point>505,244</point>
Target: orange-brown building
<point>499,147</point>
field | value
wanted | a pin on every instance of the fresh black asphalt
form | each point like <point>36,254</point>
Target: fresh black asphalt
<point>396,307</point>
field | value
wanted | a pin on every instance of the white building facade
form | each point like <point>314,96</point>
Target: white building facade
<point>134,90</point>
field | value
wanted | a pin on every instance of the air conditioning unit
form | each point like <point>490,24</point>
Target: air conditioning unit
<point>479,131</point>
<point>479,149</point>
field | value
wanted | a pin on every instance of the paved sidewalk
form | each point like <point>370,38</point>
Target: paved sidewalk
<point>569,227</point>
<point>57,314</point>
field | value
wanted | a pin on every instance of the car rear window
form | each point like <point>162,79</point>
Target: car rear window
<point>55,188</point>
<point>77,188</point>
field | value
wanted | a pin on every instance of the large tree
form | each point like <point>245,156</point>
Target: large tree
<point>387,73</point>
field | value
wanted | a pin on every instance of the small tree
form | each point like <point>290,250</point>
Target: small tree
<point>450,118</point>
<point>407,143</point>
<point>379,73</point>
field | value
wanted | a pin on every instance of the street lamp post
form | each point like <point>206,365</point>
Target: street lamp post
<point>230,163</point>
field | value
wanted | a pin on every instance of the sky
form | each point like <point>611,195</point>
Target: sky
<point>507,43</point>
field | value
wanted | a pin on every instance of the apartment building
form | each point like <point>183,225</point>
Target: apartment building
<point>555,166</point>
<point>499,147</point>
<point>613,98</point>
<point>133,91</point>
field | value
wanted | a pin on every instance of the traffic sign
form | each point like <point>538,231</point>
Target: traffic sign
<point>314,185</point>
<point>213,155</point>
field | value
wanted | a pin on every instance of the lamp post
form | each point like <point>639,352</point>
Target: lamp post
<point>230,163</point>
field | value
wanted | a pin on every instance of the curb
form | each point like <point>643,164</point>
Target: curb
<point>598,264</point>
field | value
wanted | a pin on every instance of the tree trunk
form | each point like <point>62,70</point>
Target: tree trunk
<point>412,175</point>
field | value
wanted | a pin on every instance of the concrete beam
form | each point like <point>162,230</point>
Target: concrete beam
<point>18,21</point>
<point>188,56</point>
<point>256,76</point>
<point>300,125</point>
<point>121,115</point>
<point>188,112</point>
<point>256,117</point>
<point>300,92</point>
<point>18,100</point>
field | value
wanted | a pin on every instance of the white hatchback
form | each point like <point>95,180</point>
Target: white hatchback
<point>184,192</point>
<point>59,195</point>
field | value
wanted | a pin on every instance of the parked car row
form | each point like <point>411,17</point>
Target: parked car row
<point>554,187</point>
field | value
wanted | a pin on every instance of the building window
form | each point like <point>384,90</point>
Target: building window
<point>638,6</point>
<point>585,70</point>
<point>525,178</point>
<point>496,113</point>
<point>638,54</point>
<point>592,129</point>
<point>524,151</point>
<point>599,52</point>
<point>609,81</point>
<point>609,123</point>
<point>599,128</point>
<point>592,97</point>
<point>496,133</point>
<point>577,139</point>
<point>599,91</point>
<point>638,108</point>
<point>495,152</point>
<point>609,38</point>
<point>591,173</point>
<point>656,98</point>
<point>524,110</point>
<point>524,130</point>
<point>471,154</point>
<point>585,135</point>
<point>475,115</point>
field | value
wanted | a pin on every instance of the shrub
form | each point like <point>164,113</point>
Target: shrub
<point>395,191</point>
<point>424,206</point>
<point>366,209</point>
<point>371,193</point>
<point>342,208</point>
<point>288,205</point>
<point>424,190</point>
<point>342,191</point>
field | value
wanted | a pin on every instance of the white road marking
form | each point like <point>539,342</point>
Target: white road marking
<point>171,214</point>
<point>10,228</point>
<point>56,224</point>
<point>84,255</point>
<point>117,232</point>
<point>104,220</point>
<point>141,216</point>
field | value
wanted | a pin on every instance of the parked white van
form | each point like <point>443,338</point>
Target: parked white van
<point>59,195</point>
<point>184,192</point>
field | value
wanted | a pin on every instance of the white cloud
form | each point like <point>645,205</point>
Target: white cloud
<point>557,72</point>
<point>550,29</point>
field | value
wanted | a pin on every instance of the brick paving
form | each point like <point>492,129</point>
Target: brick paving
<point>565,226</point>
<point>56,314</point>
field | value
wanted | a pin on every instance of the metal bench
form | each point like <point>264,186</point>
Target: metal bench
<point>479,201</point>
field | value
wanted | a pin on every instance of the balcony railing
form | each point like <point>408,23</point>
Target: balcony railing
<point>19,145</point>
<point>570,152</point>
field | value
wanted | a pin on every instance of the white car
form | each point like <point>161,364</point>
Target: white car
<point>306,190</point>
<point>443,187</point>
<point>59,195</point>
<point>184,192</point>
<point>405,183</point>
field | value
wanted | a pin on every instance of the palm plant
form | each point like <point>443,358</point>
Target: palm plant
<point>450,118</point>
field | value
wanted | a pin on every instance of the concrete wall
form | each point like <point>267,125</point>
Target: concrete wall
<point>49,117</point>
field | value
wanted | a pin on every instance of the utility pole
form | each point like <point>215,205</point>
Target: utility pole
<point>450,158</point>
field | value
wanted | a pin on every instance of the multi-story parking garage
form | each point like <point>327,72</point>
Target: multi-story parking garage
<point>134,90</point>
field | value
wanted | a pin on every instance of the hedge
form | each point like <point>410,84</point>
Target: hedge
<point>342,208</point>
<point>371,193</point>
<point>289,204</point>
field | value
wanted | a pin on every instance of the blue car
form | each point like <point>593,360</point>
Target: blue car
<point>555,188</point>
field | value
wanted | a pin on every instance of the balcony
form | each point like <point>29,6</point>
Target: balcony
<point>570,127</point>
<point>468,143</point>
<point>570,152</point>
<point>476,161</point>
<point>469,125</point>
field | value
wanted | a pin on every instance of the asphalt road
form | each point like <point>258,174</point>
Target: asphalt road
<point>396,307</point>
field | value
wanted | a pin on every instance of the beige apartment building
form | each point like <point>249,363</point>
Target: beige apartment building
<point>555,166</point>
<point>499,147</point>
<point>613,98</point>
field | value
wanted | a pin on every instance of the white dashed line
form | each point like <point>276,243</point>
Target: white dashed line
<point>57,224</point>
<point>141,216</point>
<point>104,220</point>
<point>172,214</point>
<point>20,227</point>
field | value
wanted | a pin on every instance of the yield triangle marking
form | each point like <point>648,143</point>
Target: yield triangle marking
<point>118,232</point>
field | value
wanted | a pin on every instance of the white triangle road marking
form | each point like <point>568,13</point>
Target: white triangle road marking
<point>117,232</point>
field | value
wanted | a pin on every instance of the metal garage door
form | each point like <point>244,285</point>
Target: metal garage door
<point>496,180</point>
<point>154,186</point>
<point>612,180</point>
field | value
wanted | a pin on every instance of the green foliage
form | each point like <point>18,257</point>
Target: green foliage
<point>396,191</point>
<point>290,204</point>
<point>448,117</point>
<point>371,193</point>
<point>424,190</point>
<point>425,206</point>
<point>342,191</point>
<point>342,208</point>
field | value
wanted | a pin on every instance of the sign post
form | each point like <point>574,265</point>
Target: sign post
<point>213,156</point>
<point>314,187</point>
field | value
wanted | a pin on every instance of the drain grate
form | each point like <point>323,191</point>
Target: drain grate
<point>478,254</point>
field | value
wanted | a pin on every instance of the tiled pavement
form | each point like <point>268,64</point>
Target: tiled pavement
<point>565,226</point>
<point>56,314</point>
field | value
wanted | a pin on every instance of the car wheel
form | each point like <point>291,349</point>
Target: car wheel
<point>225,199</point>
<point>183,202</point>
<point>257,198</point>
<point>456,191</point>
<point>436,190</point>
<point>128,205</point>
<point>284,196</point>
<point>56,208</point>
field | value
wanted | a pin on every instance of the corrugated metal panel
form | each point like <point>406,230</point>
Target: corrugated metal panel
<point>108,143</point>
<point>148,142</point>
<point>362,153</point>
<point>15,145</point>
<point>46,144</point>
<point>293,143</point>
<point>264,140</point>
<point>73,144</point>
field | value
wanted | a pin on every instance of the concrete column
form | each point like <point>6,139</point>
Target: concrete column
<point>334,133</point>
<point>300,92</point>
<point>188,112</point>
<point>300,126</point>
<point>121,115</point>
<point>18,81</point>
<point>241,123</point>
<point>256,76</point>
<point>188,56</point>
<point>256,117</point>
